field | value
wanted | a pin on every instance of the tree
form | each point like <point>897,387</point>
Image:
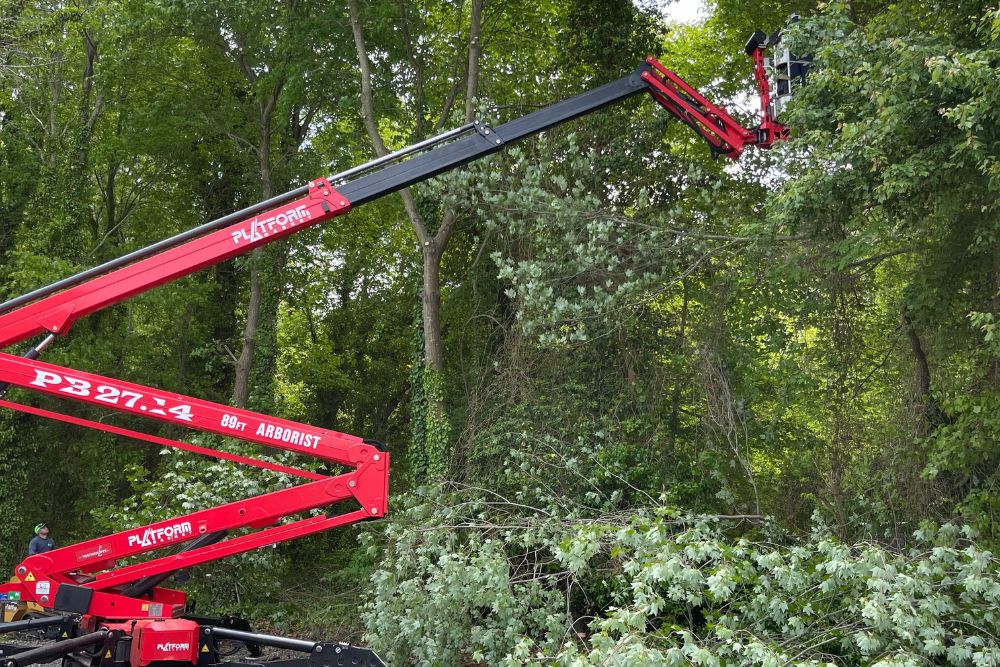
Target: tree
<point>432,240</point>
<point>896,197</point>
<point>287,64</point>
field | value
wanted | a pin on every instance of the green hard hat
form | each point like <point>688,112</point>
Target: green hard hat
<point>39,527</point>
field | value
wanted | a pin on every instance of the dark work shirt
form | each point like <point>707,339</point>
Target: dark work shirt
<point>40,545</point>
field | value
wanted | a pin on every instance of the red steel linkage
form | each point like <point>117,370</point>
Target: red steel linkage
<point>770,128</point>
<point>722,132</point>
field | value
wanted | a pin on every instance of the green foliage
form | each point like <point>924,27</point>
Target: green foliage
<point>418,460</point>
<point>475,577</point>
<point>429,424</point>
<point>586,264</point>
<point>636,337</point>
<point>437,426</point>
<point>895,189</point>
<point>715,599</point>
<point>15,464</point>
<point>440,593</point>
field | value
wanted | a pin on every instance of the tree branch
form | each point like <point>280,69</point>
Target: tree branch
<point>368,116</point>
<point>878,259</point>
<point>475,50</point>
<point>420,97</point>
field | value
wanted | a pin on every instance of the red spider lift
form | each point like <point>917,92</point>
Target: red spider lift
<point>106,615</point>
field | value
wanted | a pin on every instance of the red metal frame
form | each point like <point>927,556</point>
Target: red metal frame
<point>92,564</point>
<point>772,130</point>
<point>722,132</point>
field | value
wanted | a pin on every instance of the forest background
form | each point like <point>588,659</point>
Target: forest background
<point>645,407</point>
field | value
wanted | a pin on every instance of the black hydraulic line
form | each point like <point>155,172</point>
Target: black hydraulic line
<point>146,584</point>
<point>287,643</point>
<point>36,351</point>
<point>32,623</point>
<point>31,353</point>
<point>487,140</point>
<point>44,654</point>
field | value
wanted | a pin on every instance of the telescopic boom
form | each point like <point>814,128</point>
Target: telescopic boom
<point>124,609</point>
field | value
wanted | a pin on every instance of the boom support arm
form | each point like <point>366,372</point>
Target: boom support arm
<point>318,201</point>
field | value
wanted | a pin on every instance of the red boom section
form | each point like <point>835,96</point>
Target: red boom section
<point>142,401</point>
<point>42,574</point>
<point>155,439</point>
<point>58,312</point>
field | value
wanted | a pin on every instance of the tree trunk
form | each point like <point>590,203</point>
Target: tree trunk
<point>675,397</point>
<point>475,50</point>
<point>431,308</point>
<point>241,386</point>
<point>994,304</point>
<point>922,371</point>
<point>432,246</point>
<point>929,414</point>
<point>258,258</point>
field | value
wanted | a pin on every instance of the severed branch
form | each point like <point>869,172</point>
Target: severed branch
<point>878,259</point>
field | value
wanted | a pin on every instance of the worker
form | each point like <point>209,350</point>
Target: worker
<point>41,542</point>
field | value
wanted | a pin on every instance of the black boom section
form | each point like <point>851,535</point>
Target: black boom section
<point>486,141</point>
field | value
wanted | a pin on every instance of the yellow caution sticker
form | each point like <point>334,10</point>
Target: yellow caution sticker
<point>65,634</point>
<point>30,577</point>
<point>204,648</point>
<point>108,654</point>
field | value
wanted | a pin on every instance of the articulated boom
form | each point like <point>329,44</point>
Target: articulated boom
<point>82,578</point>
<point>123,612</point>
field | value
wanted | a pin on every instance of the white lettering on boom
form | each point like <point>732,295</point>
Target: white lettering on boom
<point>288,435</point>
